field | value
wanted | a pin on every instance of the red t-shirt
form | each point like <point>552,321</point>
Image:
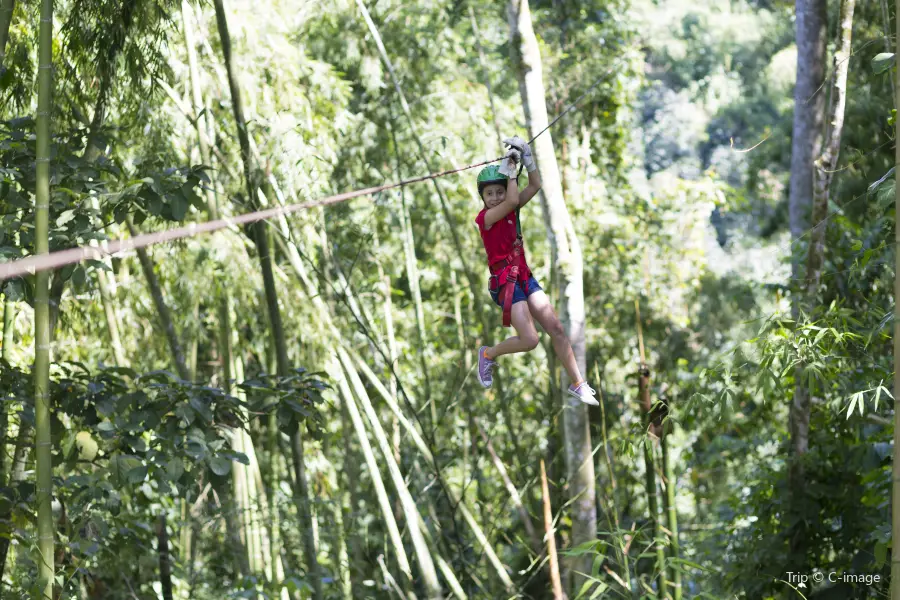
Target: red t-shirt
<point>498,242</point>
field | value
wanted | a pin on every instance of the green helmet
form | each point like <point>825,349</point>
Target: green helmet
<point>488,175</point>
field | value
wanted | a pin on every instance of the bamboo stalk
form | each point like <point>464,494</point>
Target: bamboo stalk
<point>420,444</point>
<point>513,492</point>
<point>622,552</point>
<point>895,465</point>
<point>349,407</point>
<point>412,265</point>
<point>343,557</point>
<point>423,155</point>
<point>42,324</point>
<point>671,512</point>
<point>301,494</point>
<point>313,294</point>
<point>9,327</point>
<point>423,555</point>
<point>550,537</point>
<point>650,480</point>
<point>476,35</point>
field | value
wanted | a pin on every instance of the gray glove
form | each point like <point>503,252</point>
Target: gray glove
<point>509,163</point>
<point>524,149</point>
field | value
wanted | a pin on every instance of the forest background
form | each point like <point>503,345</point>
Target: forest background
<point>289,410</point>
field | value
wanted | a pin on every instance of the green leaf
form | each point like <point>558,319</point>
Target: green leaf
<point>220,466</point>
<point>882,62</point>
<point>179,207</point>
<point>137,474</point>
<point>121,466</point>
<point>601,587</point>
<point>195,449</point>
<point>880,555</point>
<point>853,402</point>
<point>184,412</point>
<point>65,217</point>
<point>174,469</point>
<point>688,563</point>
<point>14,290</point>
<point>235,456</point>
<point>189,193</point>
<point>202,408</point>
<point>79,276</point>
<point>583,548</point>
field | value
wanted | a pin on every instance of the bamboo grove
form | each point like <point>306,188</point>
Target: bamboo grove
<point>290,409</point>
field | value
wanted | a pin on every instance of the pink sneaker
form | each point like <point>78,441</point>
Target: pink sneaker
<point>484,368</point>
<point>584,392</point>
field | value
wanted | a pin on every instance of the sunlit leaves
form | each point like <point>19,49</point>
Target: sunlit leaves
<point>882,62</point>
<point>858,400</point>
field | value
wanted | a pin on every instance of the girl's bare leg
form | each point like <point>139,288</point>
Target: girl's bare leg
<point>526,341</point>
<point>542,311</point>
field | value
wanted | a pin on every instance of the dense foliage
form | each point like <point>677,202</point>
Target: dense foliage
<point>181,445</point>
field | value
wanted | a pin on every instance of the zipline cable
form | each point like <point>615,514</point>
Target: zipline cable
<point>61,258</point>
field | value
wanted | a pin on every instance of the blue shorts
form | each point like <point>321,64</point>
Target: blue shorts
<point>519,294</point>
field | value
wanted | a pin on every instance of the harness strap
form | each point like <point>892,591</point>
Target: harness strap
<point>508,290</point>
<point>514,264</point>
<point>513,261</point>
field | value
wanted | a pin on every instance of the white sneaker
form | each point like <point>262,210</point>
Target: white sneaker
<point>585,393</point>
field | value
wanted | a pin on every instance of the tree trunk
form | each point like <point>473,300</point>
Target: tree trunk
<point>17,473</point>
<point>162,309</point>
<point>42,321</point>
<point>827,162</point>
<point>238,476</point>
<point>201,122</point>
<point>165,565</point>
<point>566,254</point>
<point>196,334</point>
<point>342,556</point>
<point>8,310</point>
<point>809,110</point>
<point>108,299</point>
<point>262,244</point>
<point>809,107</point>
<point>230,508</point>
<point>301,498</point>
<point>272,434</point>
<point>550,536</point>
<point>6,12</point>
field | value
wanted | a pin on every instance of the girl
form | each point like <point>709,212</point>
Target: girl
<point>512,285</point>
